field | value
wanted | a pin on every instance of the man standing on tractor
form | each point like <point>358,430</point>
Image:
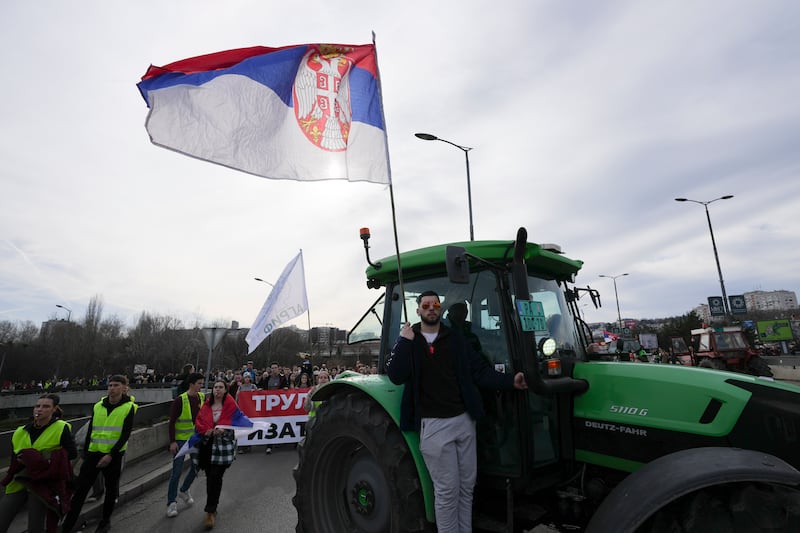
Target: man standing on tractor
<point>440,371</point>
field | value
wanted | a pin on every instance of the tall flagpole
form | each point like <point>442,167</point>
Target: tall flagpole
<point>308,315</point>
<point>391,188</point>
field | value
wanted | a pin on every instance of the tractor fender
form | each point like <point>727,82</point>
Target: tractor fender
<point>388,396</point>
<point>644,492</point>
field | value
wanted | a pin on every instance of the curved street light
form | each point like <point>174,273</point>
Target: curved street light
<point>67,309</point>
<point>616,295</point>
<point>265,281</point>
<point>714,245</point>
<point>465,149</point>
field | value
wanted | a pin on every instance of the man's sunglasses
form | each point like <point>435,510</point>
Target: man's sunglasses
<point>428,305</point>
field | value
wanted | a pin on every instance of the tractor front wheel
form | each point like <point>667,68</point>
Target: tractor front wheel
<point>355,472</point>
<point>733,508</point>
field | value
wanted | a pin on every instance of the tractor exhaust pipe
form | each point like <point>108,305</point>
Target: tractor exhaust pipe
<point>519,276</point>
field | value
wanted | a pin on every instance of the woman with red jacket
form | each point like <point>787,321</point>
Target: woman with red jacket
<point>215,422</point>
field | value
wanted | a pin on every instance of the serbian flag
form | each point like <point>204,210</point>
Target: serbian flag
<point>608,336</point>
<point>304,112</point>
<point>231,418</point>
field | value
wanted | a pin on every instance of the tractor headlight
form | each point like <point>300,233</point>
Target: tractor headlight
<point>547,346</point>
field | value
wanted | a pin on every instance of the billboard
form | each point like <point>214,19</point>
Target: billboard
<point>738,304</point>
<point>716,306</point>
<point>774,330</point>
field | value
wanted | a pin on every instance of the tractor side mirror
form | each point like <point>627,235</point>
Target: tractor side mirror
<point>457,264</point>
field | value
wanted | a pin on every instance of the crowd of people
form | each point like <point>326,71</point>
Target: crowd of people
<point>42,478</point>
<point>437,365</point>
<point>290,378</point>
<point>275,376</point>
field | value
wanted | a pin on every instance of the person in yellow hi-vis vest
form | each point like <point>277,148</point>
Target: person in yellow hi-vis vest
<point>40,469</point>
<point>182,415</point>
<point>322,378</point>
<point>106,441</point>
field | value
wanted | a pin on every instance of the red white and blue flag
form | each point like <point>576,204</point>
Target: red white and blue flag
<point>608,336</point>
<point>303,112</point>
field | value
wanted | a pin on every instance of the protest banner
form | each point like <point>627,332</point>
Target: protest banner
<point>280,410</point>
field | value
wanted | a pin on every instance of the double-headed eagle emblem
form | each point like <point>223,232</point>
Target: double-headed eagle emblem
<point>322,96</point>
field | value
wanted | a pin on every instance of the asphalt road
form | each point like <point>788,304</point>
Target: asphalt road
<point>256,497</point>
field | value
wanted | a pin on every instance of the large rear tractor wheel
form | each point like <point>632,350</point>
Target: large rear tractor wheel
<point>734,508</point>
<point>758,367</point>
<point>355,472</point>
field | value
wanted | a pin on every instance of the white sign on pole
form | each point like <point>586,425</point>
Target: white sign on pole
<point>213,336</point>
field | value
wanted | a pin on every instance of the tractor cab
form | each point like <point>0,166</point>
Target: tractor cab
<point>519,318</point>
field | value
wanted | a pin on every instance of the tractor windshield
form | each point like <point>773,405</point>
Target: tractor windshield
<point>555,320</point>
<point>730,341</point>
<point>477,310</point>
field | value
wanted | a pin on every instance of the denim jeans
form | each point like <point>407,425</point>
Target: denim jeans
<point>177,470</point>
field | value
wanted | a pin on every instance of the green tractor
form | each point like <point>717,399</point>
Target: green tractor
<point>595,446</point>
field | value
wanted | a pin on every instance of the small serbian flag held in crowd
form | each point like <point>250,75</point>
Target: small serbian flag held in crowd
<point>304,112</point>
<point>608,336</point>
<point>232,418</point>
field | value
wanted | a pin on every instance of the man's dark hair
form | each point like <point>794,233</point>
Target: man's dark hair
<point>193,377</point>
<point>427,293</point>
<point>188,368</point>
<point>119,378</point>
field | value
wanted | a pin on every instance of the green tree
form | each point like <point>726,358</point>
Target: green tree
<point>681,326</point>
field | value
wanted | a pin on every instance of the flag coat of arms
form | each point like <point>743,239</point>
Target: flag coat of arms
<point>304,112</point>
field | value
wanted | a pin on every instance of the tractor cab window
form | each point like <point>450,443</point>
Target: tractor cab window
<point>731,341</point>
<point>702,342</point>
<point>369,327</point>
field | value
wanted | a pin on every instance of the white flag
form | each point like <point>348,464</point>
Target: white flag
<point>285,302</point>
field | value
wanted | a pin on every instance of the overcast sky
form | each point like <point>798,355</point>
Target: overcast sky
<point>587,119</point>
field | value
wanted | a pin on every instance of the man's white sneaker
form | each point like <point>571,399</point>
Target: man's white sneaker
<point>172,510</point>
<point>186,497</point>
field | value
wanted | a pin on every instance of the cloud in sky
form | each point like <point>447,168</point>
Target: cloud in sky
<point>586,120</point>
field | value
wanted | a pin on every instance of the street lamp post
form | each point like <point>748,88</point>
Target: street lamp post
<point>265,281</point>
<point>465,149</point>
<point>714,245</point>
<point>67,309</point>
<point>616,295</point>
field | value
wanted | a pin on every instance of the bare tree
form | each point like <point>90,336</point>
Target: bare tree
<point>158,341</point>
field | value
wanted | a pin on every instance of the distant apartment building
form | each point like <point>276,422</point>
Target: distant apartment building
<point>703,312</point>
<point>770,300</point>
<point>757,301</point>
